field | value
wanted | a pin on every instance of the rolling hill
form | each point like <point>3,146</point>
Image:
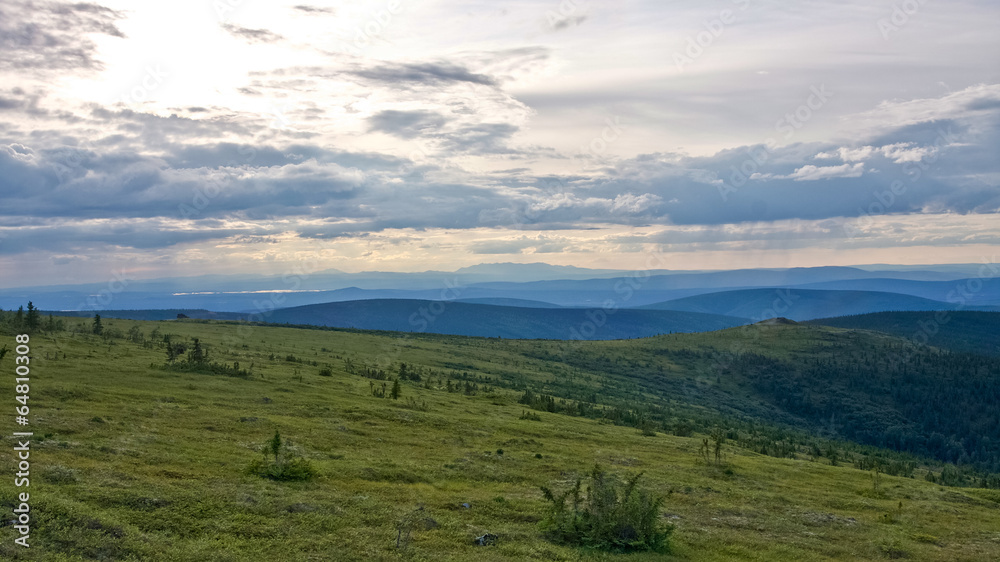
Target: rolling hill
<point>484,320</point>
<point>797,304</point>
<point>523,303</point>
<point>973,291</point>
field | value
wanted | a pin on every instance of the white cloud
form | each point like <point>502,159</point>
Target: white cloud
<point>898,153</point>
<point>813,173</point>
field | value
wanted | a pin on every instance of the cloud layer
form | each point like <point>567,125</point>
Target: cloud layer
<point>509,132</point>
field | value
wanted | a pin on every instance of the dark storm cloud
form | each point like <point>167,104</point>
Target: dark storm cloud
<point>41,37</point>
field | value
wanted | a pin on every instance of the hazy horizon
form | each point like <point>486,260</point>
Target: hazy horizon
<point>959,270</point>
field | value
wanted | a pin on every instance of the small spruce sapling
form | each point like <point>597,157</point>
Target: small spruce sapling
<point>275,445</point>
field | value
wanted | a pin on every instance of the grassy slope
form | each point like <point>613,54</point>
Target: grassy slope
<point>157,458</point>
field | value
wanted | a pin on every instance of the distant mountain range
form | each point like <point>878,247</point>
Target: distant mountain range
<point>547,302</point>
<point>555,285</point>
<point>967,291</point>
<point>798,304</point>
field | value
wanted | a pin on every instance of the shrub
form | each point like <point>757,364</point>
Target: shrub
<point>925,538</point>
<point>285,466</point>
<point>613,515</point>
<point>285,470</point>
<point>58,474</point>
<point>683,429</point>
<point>647,428</point>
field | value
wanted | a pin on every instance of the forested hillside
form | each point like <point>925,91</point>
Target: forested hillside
<point>966,331</point>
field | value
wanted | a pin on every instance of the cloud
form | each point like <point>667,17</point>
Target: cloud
<point>328,192</point>
<point>45,37</point>
<point>483,138</point>
<point>634,204</point>
<point>849,154</point>
<point>567,22</point>
<point>897,153</point>
<point>70,173</point>
<point>313,9</point>
<point>966,104</point>
<point>252,35</point>
<point>10,103</point>
<point>406,124</point>
<point>509,64</point>
<point>83,237</point>
<point>813,173</point>
<point>403,75</point>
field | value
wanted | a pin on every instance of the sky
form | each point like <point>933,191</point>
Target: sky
<point>164,139</point>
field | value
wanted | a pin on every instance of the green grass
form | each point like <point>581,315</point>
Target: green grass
<point>133,462</point>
